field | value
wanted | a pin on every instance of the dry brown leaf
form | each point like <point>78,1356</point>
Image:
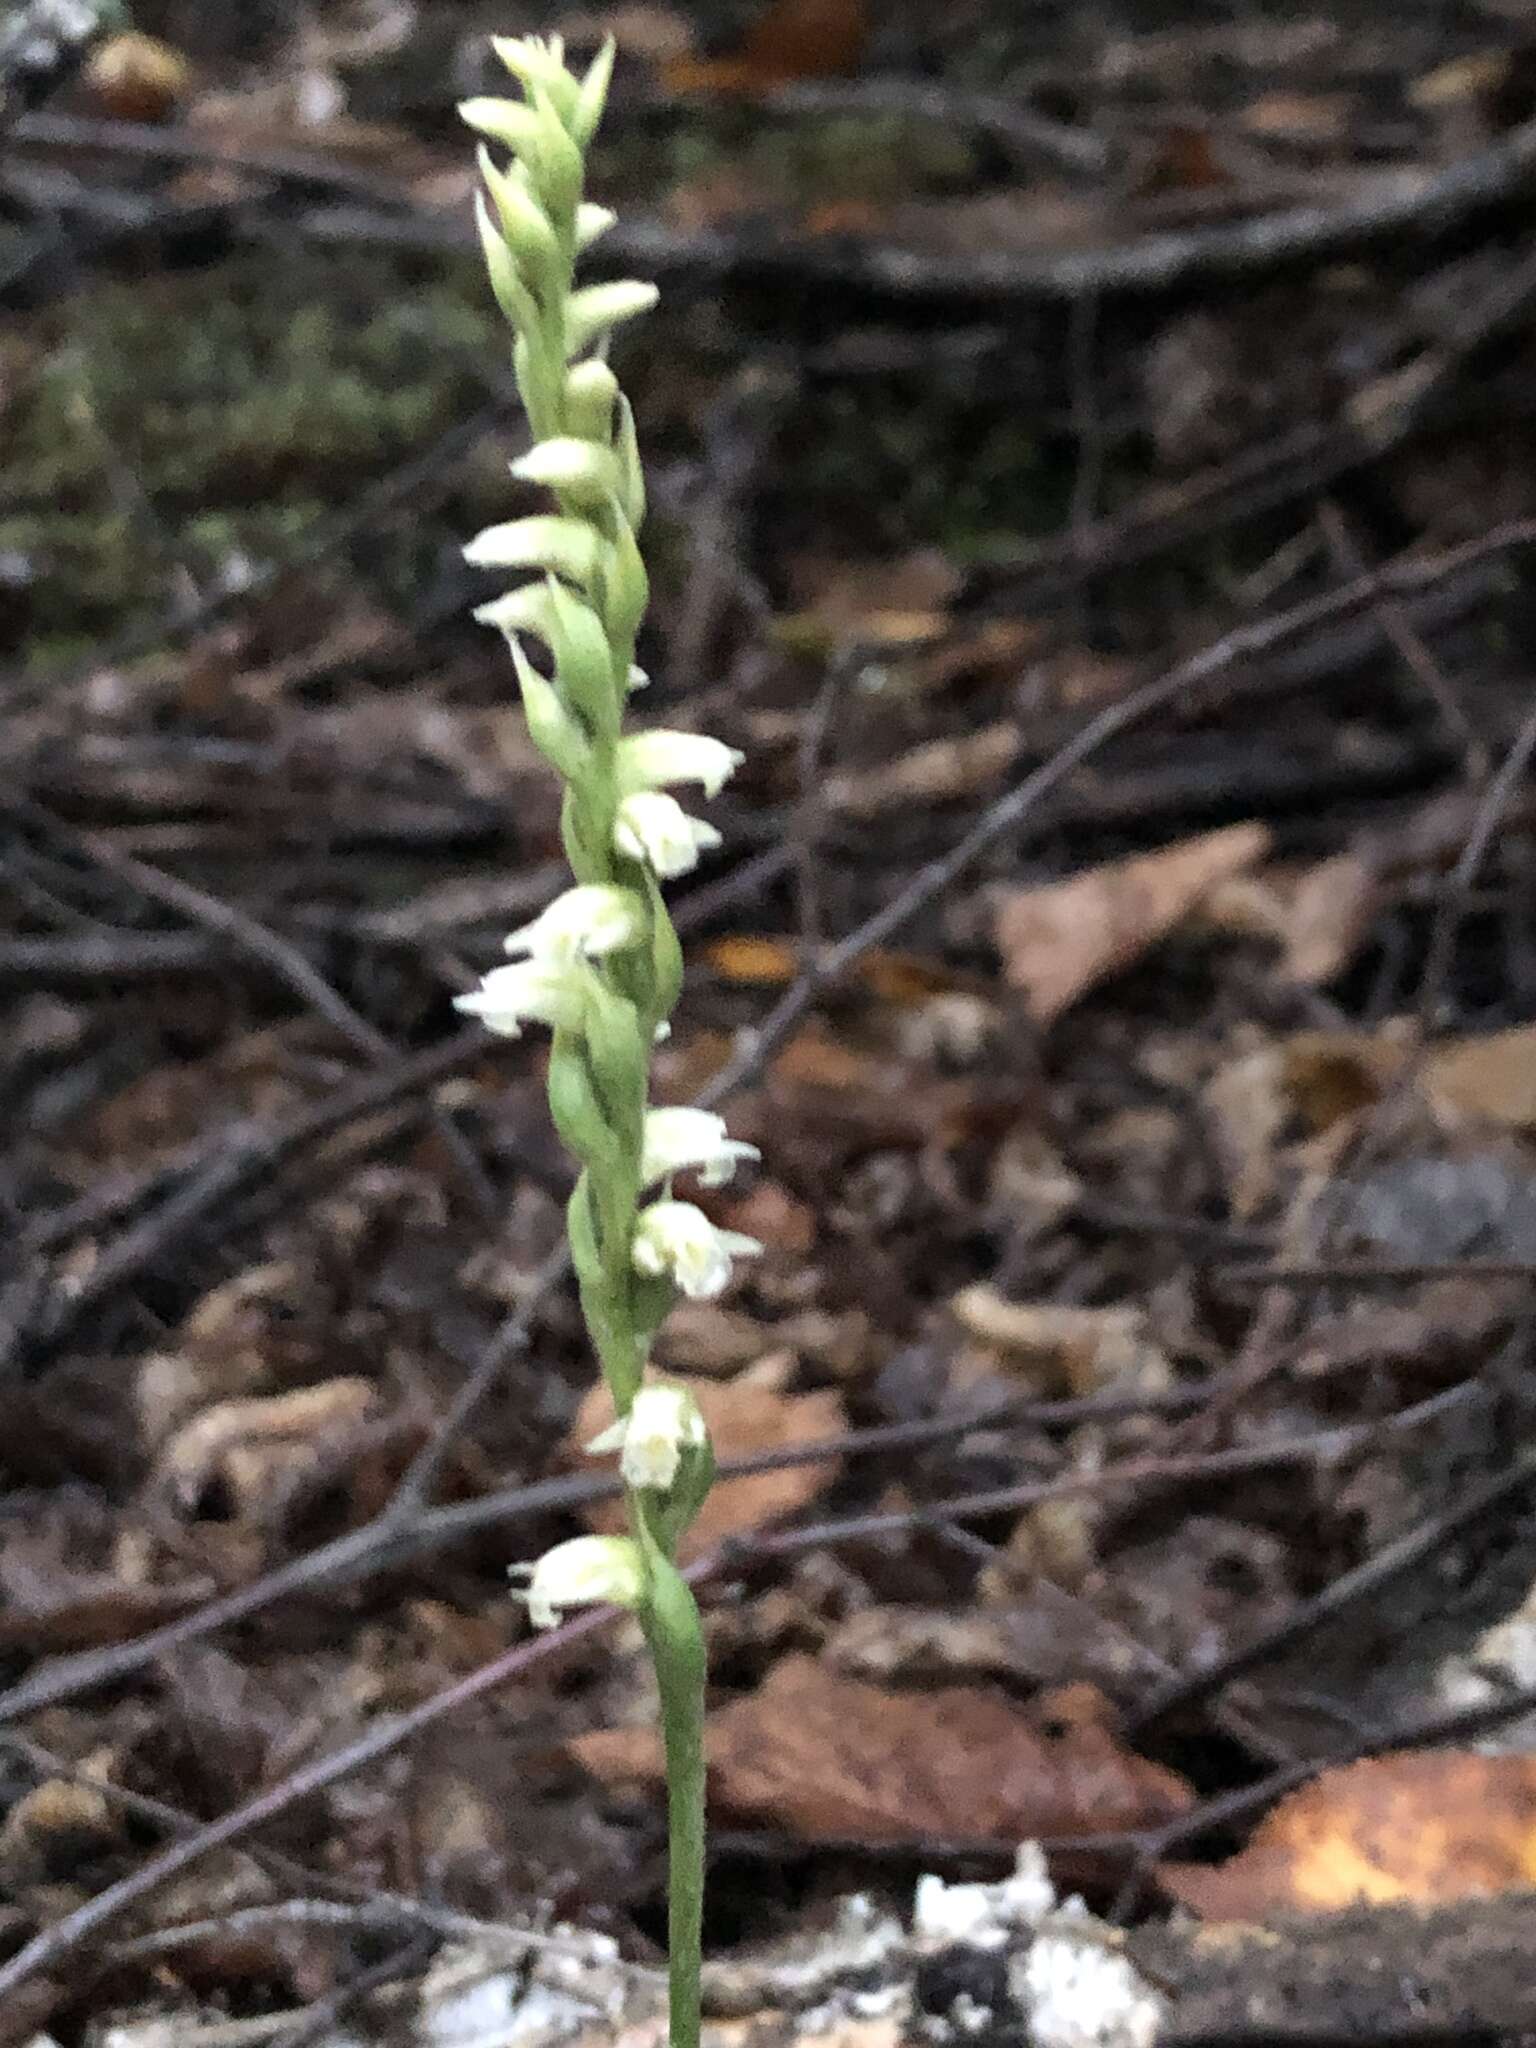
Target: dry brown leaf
<point>1060,1347</point>
<point>791,39</point>
<point>753,959</point>
<point>1491,1077</point>
<point>1057,942</point>
<point>252,1448</point>
<point>771,1214</point>
<point>1328,916</point>
<point>703,1337</point>
<point>59,1823</point>
<point>756,960</point>
<point>1331,1075</point>
<point>1299,117</point>
<point>47,1606</point>
<point>650,34</point>
<point>749,1414</point>
<point>1248,1109</point>
<point>1427,1828</point>
<point>134,77</point>
<point>937,772</point>
<point>830,1758</point>
<point>886,604</point>
<point>1460,80</point>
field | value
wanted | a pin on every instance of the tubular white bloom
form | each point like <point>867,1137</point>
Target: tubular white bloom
<point>662,1423</point>
<point>655,828</point>
<point>581,924</point>
<point>591,222</point>
<point>538,991</point>
<point>678,1240</point>
<point>567,547</point>
<point>525,226</point>
<point>676,1139</point>
<point>597,307</point>
<point>582,1573</point>
<point>508,121</point>
<point>567,464</point>
<point>650,760</point>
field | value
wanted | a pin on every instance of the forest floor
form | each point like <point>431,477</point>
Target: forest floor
<point>1093,479</point>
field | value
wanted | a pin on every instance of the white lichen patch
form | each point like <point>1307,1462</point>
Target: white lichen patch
<point>983,1915</point>
<point>1078,1990</point>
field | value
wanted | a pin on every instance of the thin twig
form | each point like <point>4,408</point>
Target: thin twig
<point>1395,204</point>
<point>1463,878</point>
<point>1388,1563</point>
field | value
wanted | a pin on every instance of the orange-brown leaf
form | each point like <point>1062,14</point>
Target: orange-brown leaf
<point>792,39</point>
<point>1057,942</point>
<point>1421,1828</point>
<point>833,1759</point>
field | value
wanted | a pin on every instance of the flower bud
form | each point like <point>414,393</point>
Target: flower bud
<point>662,1426</point>
<point>656,829</point>
<point>597,307</point>
<point>588,473</point>
<point>505,121</point>
<point>537,61</point>
<point>650,760</point>
<point>677,1139</point>
<point>582,924</point>
<point>676,1241</point>
<point>564,547</point>
<point>591,222</point>
<point>524,223</point>
<point>593,95</point>
<point>512,295</point>
<point>587,1571</point>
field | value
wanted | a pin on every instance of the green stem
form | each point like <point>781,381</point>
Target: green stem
<point>677,1646</point>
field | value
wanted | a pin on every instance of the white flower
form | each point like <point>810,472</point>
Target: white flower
<point>679,1240</point>
<point>546,540</point>
<point>582,1573</point>
<point>650,760</point>
<point>662,1423</point>
<point>655,828</point>
<point>591,222</point>
<point>537,991</point>
<point>581,468</point>
<point>597,307</point>
<point>675,1139</point>
<point>507,121</point>
<point>581,924</point>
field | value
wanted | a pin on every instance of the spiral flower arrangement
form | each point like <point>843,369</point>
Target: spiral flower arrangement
<point>601,967</point>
